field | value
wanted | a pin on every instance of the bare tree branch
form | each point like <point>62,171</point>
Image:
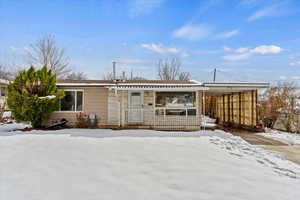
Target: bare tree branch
<point>5,73</point>
<point>279,101</point>
<point>75,76</point>
<point>45,52</point>
<point>170,70</point>
<point>109,76</point>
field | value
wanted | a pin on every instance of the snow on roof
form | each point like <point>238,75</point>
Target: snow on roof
<point>3,81</point>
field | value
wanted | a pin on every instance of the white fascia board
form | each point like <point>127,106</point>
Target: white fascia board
<point>158,84</point>
<point>127,84</point>
<point>181,89</point>
<point>84,84</point>
<point>237,85</point>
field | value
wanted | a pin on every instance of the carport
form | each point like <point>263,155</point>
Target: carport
<point>233,104</point>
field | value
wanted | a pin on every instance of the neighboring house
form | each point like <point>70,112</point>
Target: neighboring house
<point>3,92</point>
<point>156,104</point>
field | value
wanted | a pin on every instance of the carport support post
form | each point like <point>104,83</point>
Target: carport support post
<point>204,122</point>
<point>240,109</point>
<point>224,119</point>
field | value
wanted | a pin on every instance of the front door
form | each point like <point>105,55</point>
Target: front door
<point>135,107</point>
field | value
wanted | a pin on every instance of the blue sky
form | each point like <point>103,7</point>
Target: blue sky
<point>247,40</point>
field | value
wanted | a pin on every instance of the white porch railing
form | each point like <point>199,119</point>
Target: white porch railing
<point>165,118</point>
<point>176,119</point>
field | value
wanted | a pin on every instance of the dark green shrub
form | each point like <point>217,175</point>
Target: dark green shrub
<point>33,96</point>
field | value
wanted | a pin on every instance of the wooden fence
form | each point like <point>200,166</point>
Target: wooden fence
<point>233,109</point>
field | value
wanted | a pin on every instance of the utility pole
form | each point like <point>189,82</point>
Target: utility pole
<point>215,74</point>
<point>114,69</point>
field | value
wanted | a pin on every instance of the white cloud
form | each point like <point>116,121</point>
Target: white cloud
<point>270,11</point>
<point>237,57</point>
<point>265,12</point>
<point>228,34</point>
<point>297,63</point>
<point>242,50</point>
<point>295,77</point>
<point>139,7</point>
<point>159,48</point>
<point>282,77</point>
<point>193,32</point>
<point>19,50</point>
<point>184,54</point>
<point>227,49</point>
<point>239,50</point>
<point>267,49</point>
<point>244,53</point>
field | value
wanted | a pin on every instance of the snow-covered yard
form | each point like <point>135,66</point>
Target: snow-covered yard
<point>290,138</point>
<point>138,164</point>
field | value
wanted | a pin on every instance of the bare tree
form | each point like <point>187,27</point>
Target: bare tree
<point>109,76</point>
<point>5,73</point>
<point>75,76</point>
<point>184,76</point>
<point>170,70</point>
<point>45,52</point>
<point>278,103</point>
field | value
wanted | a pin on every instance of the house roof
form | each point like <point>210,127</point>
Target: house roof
<point>227,88</point>
<point>126,83</point>
<point>165,85</point>
<point>130,81</point>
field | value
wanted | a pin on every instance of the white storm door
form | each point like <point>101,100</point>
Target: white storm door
<point>135,107</point>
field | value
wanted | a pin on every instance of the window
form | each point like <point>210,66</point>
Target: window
<point>175,99</point>
<point>73,101</point>
<point>2,91</point>
<point>175,103</point>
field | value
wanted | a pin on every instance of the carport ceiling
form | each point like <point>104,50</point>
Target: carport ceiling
<point>217,89</point>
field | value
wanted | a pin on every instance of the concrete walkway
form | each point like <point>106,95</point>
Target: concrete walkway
<point>254,139</point>
<point>291,152</point>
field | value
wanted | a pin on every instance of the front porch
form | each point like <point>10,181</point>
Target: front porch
<point>159,109</point>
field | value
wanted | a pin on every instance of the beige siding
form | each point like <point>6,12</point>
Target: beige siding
<point>113,108</point>
<point>95,101</point>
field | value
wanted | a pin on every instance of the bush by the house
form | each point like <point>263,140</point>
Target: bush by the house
<point>33,96</point>
<point>85,121</point>
<point>81,121</point>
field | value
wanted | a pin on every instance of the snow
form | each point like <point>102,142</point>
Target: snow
<point>208,122</point>
<point>290,138</point>
<point>6,114</point>
<point>139,164</point>
<point>48,97</point>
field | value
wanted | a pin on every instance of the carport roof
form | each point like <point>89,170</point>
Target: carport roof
<point>227,88</point>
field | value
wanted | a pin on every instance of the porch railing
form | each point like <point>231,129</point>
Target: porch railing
<point>164,118</point>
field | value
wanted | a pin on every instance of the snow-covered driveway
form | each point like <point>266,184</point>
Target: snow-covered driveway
<point>103,164</point>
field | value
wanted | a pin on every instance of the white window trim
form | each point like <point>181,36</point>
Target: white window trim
<point>73,90</point>
<point>179,108</point>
